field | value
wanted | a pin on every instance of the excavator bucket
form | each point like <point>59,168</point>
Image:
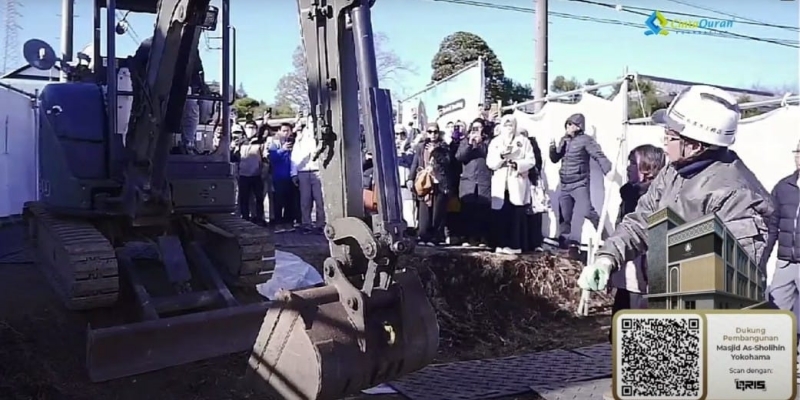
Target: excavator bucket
<point>308,349</point>
<point>151,345</point>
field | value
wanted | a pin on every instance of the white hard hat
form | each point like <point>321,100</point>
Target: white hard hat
<point>703,113</point>
<point>237,128</point>
<point>399,128</point>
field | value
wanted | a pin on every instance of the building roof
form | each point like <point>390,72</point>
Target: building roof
<point>28,72</point>
<point>669,88</point>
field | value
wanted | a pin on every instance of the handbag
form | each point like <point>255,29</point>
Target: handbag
<point>540,201</point>
<point>453,204</point>
<point>424,182</point>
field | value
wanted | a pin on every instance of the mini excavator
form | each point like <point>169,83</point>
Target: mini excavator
<point>144,242</point>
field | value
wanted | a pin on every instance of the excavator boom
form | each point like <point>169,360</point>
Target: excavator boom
<point>372,322</point>
<point>161,84</point>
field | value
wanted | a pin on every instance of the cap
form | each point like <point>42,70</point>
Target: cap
<point>432,126</point>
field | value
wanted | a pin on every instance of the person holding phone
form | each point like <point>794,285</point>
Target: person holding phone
<point>285,194</point>
<point>431,157</point>
<point>510,156</point>
<point>475,185</point>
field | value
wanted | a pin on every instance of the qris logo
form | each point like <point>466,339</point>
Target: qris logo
<point>751,385</point>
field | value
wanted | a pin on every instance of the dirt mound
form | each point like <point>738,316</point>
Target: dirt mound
<point>492,305</point>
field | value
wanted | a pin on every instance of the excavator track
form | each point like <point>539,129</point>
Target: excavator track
<point>77,259</point>
<point>246,253</point>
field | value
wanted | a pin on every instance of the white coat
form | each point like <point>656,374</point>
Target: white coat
<point>505,178</point>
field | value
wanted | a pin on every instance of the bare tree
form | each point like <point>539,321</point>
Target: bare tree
<point>292,88</point>
<point>777,90</point>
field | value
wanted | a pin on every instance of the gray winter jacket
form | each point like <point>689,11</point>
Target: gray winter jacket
<point>721,184</point>
<point>575,153</point>
<point>783,226</point>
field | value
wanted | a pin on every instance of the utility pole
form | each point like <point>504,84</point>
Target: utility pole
<point>540,85</point>
<point>67,30</point>
<point>12,28</point>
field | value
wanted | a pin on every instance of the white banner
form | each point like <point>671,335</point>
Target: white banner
<point>457,97</point>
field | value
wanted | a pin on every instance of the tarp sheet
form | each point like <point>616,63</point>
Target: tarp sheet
<point>18,160</point>
<point>604,123</point>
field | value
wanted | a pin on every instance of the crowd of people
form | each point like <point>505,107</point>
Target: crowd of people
<point>475,184</point>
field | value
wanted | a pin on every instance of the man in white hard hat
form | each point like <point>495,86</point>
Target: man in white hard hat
<point>703,177</point>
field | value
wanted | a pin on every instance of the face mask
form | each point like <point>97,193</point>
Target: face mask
<point>250,132</point>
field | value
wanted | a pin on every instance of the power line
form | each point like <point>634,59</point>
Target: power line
<point>742,20</point>
<point>779,42</point>
<point>131,33</point>
<point>606,21</point>
<point>12,28</point>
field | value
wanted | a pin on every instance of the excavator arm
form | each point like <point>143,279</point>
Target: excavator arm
<point>372,322</point>
<point>160,87</point>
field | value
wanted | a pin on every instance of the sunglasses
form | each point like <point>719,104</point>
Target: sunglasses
<point>433,131</point>
<point>476,129</point>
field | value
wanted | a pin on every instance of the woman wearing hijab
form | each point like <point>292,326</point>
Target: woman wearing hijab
<point>510,156</point>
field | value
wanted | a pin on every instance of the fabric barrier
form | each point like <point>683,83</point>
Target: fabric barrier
<point>765,143</point>
<point>18,158</point>
<point>604,123</point>
<point>769,157</point>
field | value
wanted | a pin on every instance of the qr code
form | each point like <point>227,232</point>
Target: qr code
<point>659,356</point>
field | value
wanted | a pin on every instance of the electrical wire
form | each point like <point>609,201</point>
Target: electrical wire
<point>779,42</point>
<point>606,21</point>
<point>131,33</point>
<point>740,19</point>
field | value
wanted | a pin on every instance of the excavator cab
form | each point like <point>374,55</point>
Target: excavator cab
<point>85,125</point>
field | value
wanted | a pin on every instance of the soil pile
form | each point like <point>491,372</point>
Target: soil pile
<point>492,305</point>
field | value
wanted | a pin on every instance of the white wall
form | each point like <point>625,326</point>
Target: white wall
<point>18,159</point>
<point>604,123</point>
<point>764,143</point>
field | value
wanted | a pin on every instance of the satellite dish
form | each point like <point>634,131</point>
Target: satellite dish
<point>39,54</point>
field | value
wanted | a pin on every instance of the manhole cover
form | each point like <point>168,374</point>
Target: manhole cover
<point>486,379</point>
<point>586,390</point>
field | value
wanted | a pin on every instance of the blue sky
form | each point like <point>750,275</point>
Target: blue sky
<point>268,33</point>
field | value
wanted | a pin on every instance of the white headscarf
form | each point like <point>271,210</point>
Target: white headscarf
<point>508,126</point>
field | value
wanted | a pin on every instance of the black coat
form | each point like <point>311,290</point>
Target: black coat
<point>630,193</point>
<point>535,173</point>
<point>441,166</point>
<point>784,225</point>
<point>575,154</point>
<point>475,174</point>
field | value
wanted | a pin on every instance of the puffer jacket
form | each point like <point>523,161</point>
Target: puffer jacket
<point>784,226</point>
<point>252,155</point>
<point>575,153</point>
<point>475,177</point>
<point>718,183</point>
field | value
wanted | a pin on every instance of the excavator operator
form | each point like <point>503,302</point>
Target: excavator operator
<point>197,86</point>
